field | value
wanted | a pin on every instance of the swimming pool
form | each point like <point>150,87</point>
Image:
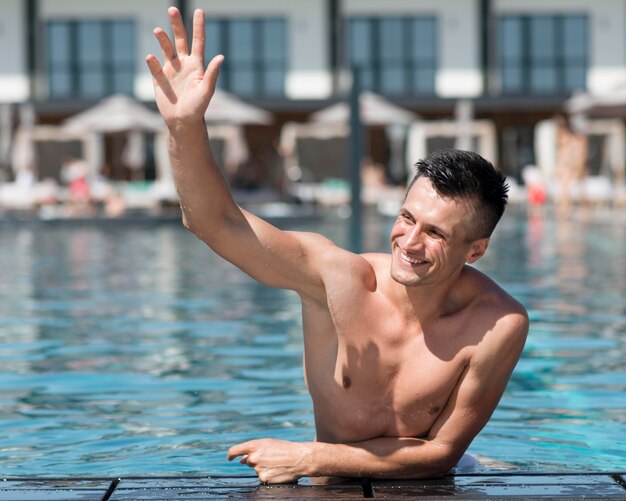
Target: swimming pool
<point>132,349</point>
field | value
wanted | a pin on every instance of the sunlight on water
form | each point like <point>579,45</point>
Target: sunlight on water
<point>134,350</point>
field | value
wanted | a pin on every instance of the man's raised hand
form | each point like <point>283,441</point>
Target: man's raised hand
<point>183,88</point>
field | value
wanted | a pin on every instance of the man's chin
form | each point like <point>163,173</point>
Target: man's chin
<point>404,279</point>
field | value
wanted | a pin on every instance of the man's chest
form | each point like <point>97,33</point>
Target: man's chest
<point>373,383</point>
<point>365,398</point>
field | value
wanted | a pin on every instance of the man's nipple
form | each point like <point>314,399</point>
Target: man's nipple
<point>347,382</point>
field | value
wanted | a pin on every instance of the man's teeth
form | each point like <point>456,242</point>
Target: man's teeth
<point>410,259</point>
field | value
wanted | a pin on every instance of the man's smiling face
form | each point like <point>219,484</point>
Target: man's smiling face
<point>432,237</point>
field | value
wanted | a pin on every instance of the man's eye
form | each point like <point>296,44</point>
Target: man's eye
<point>435,234</point>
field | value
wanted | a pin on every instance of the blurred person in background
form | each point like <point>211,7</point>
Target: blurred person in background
<point>74,173</point>
<point>571,164</point>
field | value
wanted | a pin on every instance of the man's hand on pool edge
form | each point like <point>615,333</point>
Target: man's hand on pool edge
<point>280,461</point>
<point>274,461</point>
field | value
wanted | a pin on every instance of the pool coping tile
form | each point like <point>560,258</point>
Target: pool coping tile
<point>489,485</point>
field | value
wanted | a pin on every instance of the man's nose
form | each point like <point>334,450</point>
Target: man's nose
<point>414,236</point>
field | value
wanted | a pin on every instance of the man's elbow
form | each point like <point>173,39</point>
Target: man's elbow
<point>198,228</point>
<point>446,464</point>
<point>186,223</point>
<point>443,460</point>
<point>191,228</point>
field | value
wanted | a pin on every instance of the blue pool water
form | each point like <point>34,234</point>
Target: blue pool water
<point>132,349</point>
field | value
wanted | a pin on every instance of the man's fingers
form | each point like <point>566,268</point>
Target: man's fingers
<point>197,42</point>
<point>154,66</point>
<point>180,35</point>
<point>159,77</point>
<point>166,44</point>
<point>211,73</point>
<point>238,450</point>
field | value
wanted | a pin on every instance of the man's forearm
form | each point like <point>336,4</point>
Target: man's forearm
<point>203,192</point>
<point>382,458</point>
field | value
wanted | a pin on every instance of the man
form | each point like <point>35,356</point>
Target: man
<point>406,355</point>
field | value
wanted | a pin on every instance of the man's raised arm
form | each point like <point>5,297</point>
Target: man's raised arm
<point>183,91</point>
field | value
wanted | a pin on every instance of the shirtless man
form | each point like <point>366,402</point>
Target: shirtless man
<point>406,354</point>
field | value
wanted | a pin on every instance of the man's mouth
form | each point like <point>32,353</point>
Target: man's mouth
<point>410,260</point>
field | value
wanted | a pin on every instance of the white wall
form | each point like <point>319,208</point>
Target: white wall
<point>607,34</point>
<point>307,39</point>
<point>147,14</point>
<point>14,85</point>
<point>459,72</point>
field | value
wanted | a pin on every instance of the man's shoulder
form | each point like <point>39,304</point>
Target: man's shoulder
<point>341,267</point>
<point>492,305</point>
<point>377,259</point>
<point>499,324</point>
<point>487,293</point>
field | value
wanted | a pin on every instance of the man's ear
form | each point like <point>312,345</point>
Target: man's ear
<point>477,249</point>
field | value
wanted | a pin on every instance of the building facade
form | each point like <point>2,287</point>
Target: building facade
<point>518,61</point>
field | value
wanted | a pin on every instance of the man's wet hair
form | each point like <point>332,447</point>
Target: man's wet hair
<point>465,175</point>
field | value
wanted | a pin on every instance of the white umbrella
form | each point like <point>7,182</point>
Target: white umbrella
<point>374,110</point>
<point>114,114</point>
<point>118,113</point>
<point>227,108</point>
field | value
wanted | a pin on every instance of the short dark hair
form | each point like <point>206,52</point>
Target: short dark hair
<point>459,174</point>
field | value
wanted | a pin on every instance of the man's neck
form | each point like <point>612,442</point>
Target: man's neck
<point>428,302</point>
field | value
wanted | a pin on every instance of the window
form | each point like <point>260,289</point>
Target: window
<point>255,52</point>
<point>542,54</point>
<point>397,56</point>
<point>90,59</point>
